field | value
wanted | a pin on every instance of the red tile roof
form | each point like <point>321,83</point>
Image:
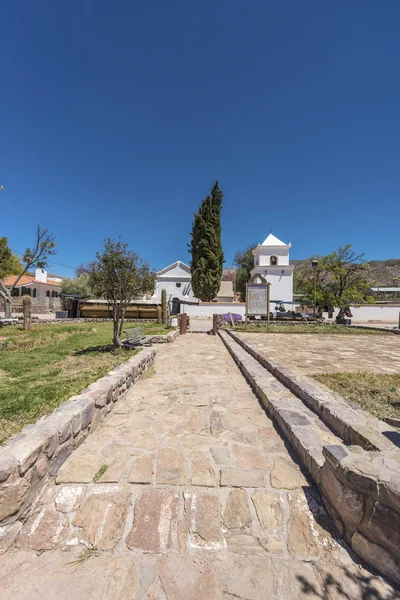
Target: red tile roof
<point>27,280</point>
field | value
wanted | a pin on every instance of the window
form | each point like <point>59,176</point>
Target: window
<point>15,292</point>
<point>54,294</point>
<point>273,260</point>
<point>48,294</point>
<point>178,285</point>
<point>34,293</point>
<point>25,291</point>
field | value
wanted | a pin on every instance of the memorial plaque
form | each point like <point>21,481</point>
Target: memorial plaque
<point>257,299</point>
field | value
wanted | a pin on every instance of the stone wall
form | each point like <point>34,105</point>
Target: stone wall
<point>362,493</point>
<point>28,459</point>
<point>39,305</point>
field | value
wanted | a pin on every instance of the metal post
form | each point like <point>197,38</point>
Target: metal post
<point>314,264</point>
<point>315,292</point>
<point>268,300</point>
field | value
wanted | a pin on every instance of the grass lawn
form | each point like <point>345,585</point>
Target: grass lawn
<point>304,328</point>
<point>43,367</point>
<point>378,393</point>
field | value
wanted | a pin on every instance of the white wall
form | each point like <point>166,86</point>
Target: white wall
<point>208,309</point>
<point>373,312</point>
<point>173,291</point>
<point>262,255</point>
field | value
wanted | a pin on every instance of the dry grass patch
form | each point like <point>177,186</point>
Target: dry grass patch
<point>378,393</point>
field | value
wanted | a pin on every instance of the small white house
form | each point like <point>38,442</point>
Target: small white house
<point>271,260</point>
<point>39,286</point>
<point>177,280</point>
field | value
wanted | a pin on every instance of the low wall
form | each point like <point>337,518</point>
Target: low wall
<point>208,309</point>
<point>360,483</point>
<point>371,313</point>
<point>28,459</point>
<point>362,492</point>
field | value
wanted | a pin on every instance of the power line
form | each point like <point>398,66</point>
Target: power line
<point>49,262</point>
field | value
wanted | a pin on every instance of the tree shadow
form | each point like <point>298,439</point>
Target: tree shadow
<point>331,588</point>
<point>393,436</point>
<point>108,348</point>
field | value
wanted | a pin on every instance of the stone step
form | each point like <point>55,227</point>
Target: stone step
<point>303,429</point>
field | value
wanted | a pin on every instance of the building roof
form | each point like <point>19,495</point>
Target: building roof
<point>27,280</point>
<point>177,263</point>
<point>271,240</point>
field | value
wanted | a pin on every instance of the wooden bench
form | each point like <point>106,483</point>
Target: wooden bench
<point>135,335</point>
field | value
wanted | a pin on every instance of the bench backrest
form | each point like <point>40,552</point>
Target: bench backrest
<point>135,334</point>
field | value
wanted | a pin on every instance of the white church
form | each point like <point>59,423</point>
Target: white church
<point>271,260</point>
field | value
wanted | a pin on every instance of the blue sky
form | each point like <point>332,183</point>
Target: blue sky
<point>116,119</point>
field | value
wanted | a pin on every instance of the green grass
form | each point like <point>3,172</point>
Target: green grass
<point>43,367</point>
<point>378,393</point>
<point>305,328</point>
<point>100,473</point>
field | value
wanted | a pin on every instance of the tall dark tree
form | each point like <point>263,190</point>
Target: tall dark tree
<point>244,261</point>
<point>206,248</point>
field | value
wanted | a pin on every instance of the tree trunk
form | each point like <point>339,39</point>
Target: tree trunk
<point>8,307</point>
<point>116,336</point>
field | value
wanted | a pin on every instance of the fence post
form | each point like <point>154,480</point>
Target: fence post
<point>214,329</point>
<point>183,328</point>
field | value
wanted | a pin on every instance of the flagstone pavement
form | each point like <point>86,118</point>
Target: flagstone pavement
<point>309,353</point>
<point>201,500</point>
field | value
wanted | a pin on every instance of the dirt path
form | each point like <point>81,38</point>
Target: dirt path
<point>201,500</point>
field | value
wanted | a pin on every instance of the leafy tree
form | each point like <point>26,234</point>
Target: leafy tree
<point>37,256</point>
<point>205,247</point>
<point>244,260</point>
<point>341,280</point>
<point>119,276</point>
<point>79,285</point>
<point>9,262</point>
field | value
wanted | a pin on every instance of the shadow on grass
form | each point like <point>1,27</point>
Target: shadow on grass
<point>108,348</point>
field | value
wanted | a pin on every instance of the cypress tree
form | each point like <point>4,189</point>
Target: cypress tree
<point>206,248</point>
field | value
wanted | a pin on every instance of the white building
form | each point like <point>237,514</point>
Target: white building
<point>271,260</point>
<point>177,280</point>
<point>39,286</point>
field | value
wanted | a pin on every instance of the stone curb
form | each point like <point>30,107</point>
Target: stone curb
<point>347,420</point>
<point>361,489</point>
<point>395,331</point>
<point>29,458</point>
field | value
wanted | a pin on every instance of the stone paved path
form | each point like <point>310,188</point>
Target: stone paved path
<point>201,500</point>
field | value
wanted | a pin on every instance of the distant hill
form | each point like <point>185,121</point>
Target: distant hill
<point>381,272</point>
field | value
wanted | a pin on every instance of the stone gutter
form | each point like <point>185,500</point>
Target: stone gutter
<point>360,487</point>
<point>30,458</point>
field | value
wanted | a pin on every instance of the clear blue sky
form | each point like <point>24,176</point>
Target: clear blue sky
<point>117,117</point>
